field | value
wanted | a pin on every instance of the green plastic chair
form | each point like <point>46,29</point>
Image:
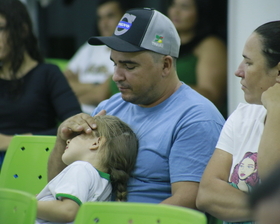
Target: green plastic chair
<point>25,164</point>
<point>136,213</point>
<point>17,207</point>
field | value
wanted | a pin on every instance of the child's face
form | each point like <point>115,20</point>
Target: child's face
<point>79,147</point>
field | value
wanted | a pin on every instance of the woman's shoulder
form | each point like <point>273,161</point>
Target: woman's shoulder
<point>48,69</point>
<point>210,43</point>
<point>249,107</point>
<point>48,66</point>
<point>249,111</point>
<point>211,39</point>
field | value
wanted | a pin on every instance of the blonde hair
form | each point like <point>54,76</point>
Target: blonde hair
<point>120,151</point>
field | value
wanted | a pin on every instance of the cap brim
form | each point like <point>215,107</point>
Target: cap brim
<point>115,43</point>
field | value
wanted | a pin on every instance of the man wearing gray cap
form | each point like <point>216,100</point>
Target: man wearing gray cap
<point>177,128</point>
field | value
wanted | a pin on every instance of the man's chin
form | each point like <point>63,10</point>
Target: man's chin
<point>128,98</point>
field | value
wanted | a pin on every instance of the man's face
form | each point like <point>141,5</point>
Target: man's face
<point>109,14</point>
<point>139,77</point>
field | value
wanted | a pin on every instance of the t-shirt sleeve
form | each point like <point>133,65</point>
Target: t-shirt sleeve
<point>192,149</point>
<point>226,139</point>
<point>63,102</point>
<point>63,98</point>
<point>75,184</point>
<point>75,62</point>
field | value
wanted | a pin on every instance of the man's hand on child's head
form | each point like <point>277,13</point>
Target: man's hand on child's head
<point>102,112</point>
<point>77,124</point>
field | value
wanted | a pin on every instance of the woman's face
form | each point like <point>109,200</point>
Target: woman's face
<point>246,168</point>
<point>183,14</point>
<point>4,49</point>
<point>109,14</point>
<point>255,76</point>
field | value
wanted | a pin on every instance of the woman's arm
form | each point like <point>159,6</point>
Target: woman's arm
<point>212,70</point>
<point>89,93</point>
<point>62,211</point>
<point>5,141</point>
<point>216,196</point>
<point>269,148</point>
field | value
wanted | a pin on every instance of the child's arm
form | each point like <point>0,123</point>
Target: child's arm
<point>63,210</point>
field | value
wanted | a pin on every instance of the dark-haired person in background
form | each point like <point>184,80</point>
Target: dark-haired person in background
<point>34,96</point>
<point>202,62</point>
<point>90,70</point>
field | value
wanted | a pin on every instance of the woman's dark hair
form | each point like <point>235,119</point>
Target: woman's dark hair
<point>20,34</point>
<point>270,37</point>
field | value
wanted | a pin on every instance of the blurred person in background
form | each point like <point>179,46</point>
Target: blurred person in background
<point>34,96</point>
<point>202,62</point>
<point>90,70</point>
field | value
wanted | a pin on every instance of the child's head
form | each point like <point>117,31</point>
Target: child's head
<point>115,146</point>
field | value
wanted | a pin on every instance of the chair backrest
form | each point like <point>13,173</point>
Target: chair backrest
<point>17,207</point>
<point>25,164</point>
<point>136,213</point>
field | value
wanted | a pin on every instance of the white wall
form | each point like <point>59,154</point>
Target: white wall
<point>243,17</point>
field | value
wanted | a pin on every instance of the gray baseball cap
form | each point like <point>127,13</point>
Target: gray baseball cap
<point>142,29</point>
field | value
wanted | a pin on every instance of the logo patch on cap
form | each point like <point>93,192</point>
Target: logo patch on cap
<point>158,41</point>
<point>125,24</point>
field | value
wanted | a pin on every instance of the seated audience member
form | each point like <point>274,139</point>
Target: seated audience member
<point>265,199</point>
<point>176,127</point>
<point>97,163</point>
<point>248,147</point>
<point>90,70</point>
<point>202,61</point>
<point>34,96</point>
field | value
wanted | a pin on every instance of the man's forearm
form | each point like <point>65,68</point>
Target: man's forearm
<point>55,164</point>
<point>183,194</point>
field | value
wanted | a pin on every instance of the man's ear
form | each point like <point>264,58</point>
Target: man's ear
<point>95,144</point>
<point>167,65</point>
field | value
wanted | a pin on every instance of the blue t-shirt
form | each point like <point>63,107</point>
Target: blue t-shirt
<point>176,140</point>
